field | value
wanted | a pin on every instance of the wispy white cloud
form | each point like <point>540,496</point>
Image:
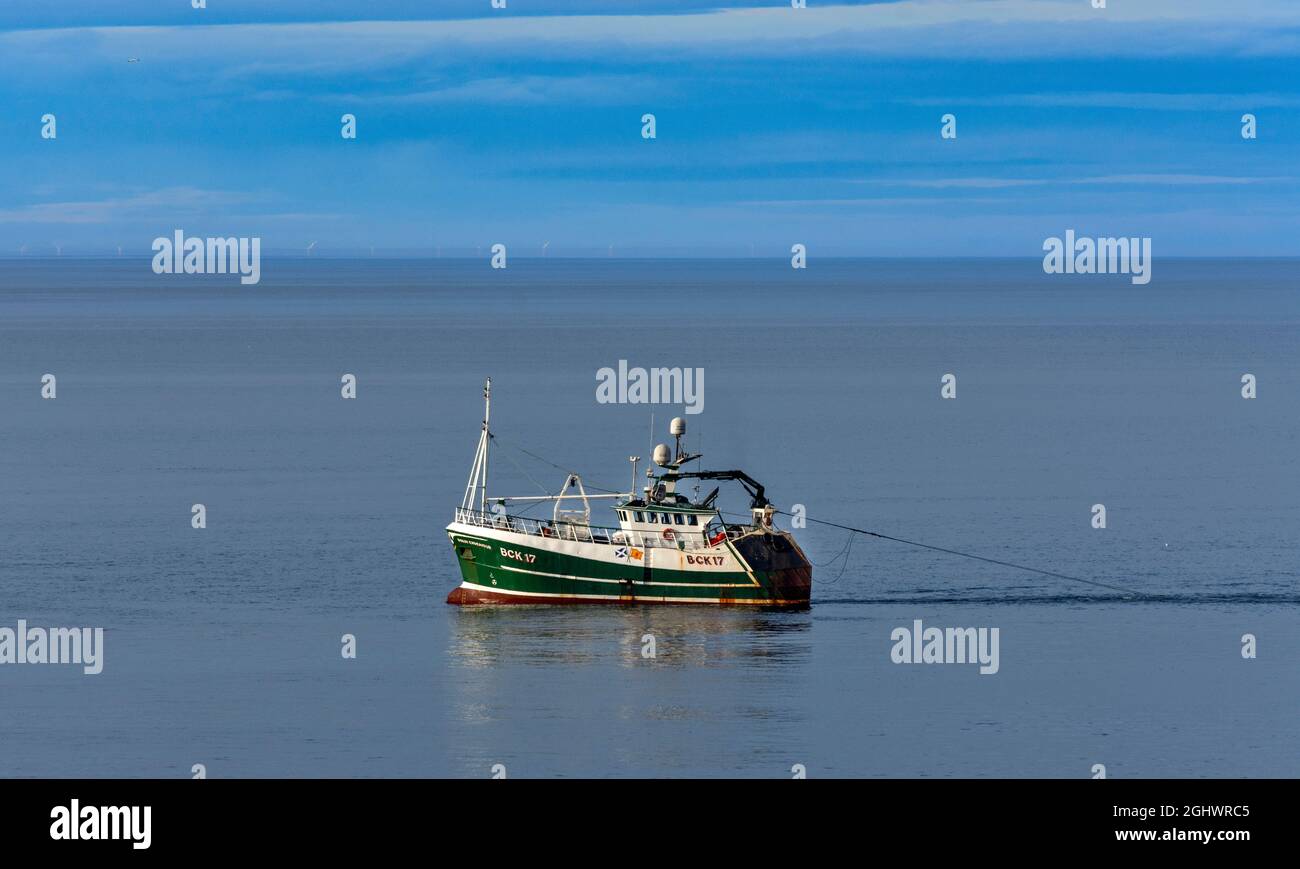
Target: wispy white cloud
<point>1187,102</point>
<point>1150,178</point>
<point>880,201</point>
<point>948,183</point>
<point>530,90</point>
<point>1177,180</point>
<point>992,29</point>
<point>174,201</point>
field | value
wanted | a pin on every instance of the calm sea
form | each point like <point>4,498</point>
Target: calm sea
<point>325,517</point>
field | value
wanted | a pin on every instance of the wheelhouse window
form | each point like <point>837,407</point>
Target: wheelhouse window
<point>677,519</point>
<point>639,516</point>
<point>693,519</point>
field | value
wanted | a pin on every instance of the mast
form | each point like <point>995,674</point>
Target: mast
<point>487,440</point>
<point>477,483</point>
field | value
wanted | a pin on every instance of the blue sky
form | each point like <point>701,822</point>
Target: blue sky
<point>775,125</point>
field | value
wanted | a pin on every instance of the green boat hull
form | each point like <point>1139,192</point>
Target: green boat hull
<point>760,569</point>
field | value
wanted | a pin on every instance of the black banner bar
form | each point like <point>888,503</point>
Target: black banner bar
<point>335,817</point>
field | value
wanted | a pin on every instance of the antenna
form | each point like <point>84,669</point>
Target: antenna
<point>631,493</point>
<point>677,428</point>
<point>478,474</point>
<point>487,440</point>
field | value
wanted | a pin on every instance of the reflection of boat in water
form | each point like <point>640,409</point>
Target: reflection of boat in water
<point>487,637</point>
<point>666,548</point>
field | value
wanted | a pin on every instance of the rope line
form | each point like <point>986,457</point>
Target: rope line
<point>849,545</point>
<point>847,552</point>
<point>547,461</point>
<point>519,468</point>
<point>970,555</point>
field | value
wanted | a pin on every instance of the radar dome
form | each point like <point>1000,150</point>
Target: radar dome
<point>661,455</point>
<point>677,427</point>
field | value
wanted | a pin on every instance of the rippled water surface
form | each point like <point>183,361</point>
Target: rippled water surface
<point>325,517</point>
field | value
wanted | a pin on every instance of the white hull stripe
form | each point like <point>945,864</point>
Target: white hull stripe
<point>629,598</point>
<point>625,582</point>
<point>600,552</point>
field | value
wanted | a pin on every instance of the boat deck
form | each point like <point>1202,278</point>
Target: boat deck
<point>584,533</point>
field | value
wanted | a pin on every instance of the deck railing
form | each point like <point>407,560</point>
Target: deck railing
<point>682,539</point>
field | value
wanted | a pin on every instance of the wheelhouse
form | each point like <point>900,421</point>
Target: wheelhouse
<point>652,518</point>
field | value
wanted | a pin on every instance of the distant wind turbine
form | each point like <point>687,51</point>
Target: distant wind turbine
<point>545,245</point>
<point>311,247</point>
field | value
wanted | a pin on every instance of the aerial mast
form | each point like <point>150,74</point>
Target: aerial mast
<point>477,483</point>
<point>487,440</point>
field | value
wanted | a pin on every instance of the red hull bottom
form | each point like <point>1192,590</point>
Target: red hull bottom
<point>462,596</point>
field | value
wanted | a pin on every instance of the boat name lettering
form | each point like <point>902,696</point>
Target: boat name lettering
<point>525,557</point>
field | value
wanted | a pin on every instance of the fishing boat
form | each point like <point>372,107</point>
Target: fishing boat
<point>665,548</point>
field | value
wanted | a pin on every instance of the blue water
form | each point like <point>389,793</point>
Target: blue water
<point>325,517</point>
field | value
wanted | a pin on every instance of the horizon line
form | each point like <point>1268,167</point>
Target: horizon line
<point>399,257</point>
